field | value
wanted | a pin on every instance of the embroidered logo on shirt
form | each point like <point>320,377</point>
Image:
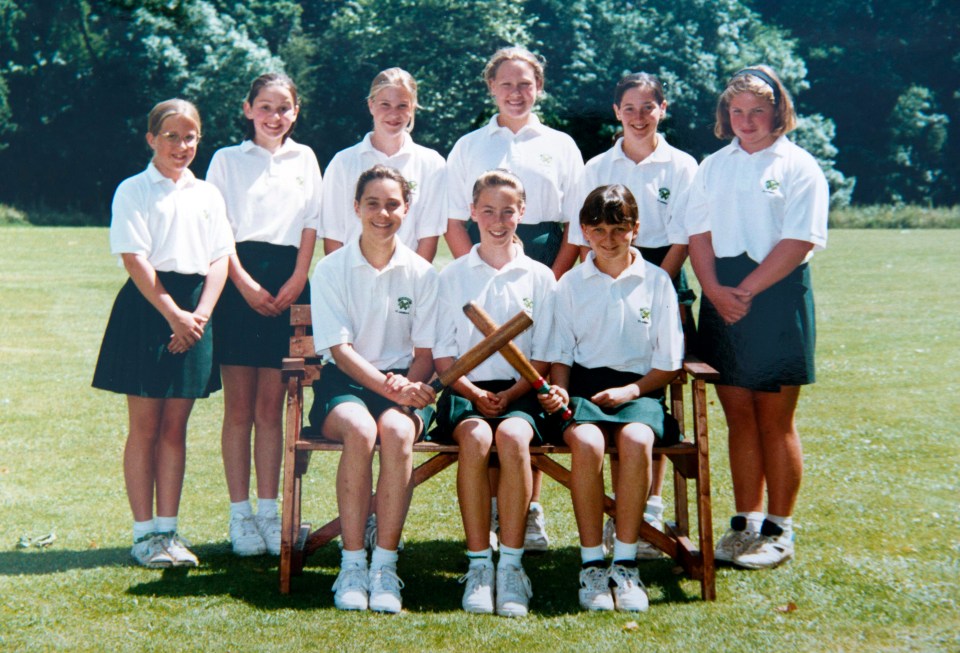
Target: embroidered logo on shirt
<point>644,316</point>
<point>663,194</point>
<point>403,305</point>
<point>546,159</point>
<point>412,183</point>
<point>299,181</point>
<point>528,305</point>
<point>771,186</point>
<point>204,214</point>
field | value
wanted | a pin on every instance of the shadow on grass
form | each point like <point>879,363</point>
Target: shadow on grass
<point>429,569</point>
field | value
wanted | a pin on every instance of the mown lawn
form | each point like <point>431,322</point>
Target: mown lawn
<point>878,563</point>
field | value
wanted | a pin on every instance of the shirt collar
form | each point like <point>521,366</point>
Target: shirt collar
<point>533,124</point>
<point>366,146</point>
<point>636,269</point>
<point>248,146</point>
<point>187,177</point>
<point>778,148</point>
<point>660,154</point>
<point>474,260</point>
<point>400,256</point>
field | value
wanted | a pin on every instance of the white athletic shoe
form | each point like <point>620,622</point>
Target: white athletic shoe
<point>513,592</point>
<point>766,552</point>
<point>177,547</point>
<point>245,537</point>
<point>149,552</point>
<point>351,589</point>
<point>385,588</point>
<point>478,593</point>
<point>629,595</point>
<point>269,529</point>
<point>732,544</point>
<point>535,538</point>
<point>595,589</point>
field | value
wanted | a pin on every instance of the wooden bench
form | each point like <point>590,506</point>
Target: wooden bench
<point>690,460</point>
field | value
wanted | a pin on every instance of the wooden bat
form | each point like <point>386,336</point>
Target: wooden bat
<point>482,320</point>
<point>495,340</point>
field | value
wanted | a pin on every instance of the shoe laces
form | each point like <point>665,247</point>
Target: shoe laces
<point>270,524</point>
<point>174,539</point>
<point>246,525</point>
<point>476,577</point>
<point>385,579</point>
<point>354,578</point>
<point>625,578</point>
<point>595,579</point>
<point>513,582</point>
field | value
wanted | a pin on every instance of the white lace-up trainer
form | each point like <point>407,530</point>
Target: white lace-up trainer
<point>478,592</point>
<point>385,588</point>
<point>595,588</point>
<point>245,537</point>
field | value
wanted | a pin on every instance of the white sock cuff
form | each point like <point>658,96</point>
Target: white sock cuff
<point>591,553</point>
<point>241,508</point>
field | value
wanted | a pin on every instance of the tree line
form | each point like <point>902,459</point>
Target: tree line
<point>875,82</point>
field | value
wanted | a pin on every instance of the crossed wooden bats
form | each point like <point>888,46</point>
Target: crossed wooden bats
<point>498,338</point>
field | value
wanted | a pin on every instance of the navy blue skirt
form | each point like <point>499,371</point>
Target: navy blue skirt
<point>244,337</point>
<point>773,345</point>
<point>134,359</point>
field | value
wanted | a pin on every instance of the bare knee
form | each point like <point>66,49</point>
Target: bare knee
<point>513,439</point>
<point>475,438</point>
<point>587,443</point>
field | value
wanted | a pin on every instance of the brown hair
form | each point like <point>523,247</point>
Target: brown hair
<point>174,107</point>
<point>400,78</point>
<point>638,80</point>
<point>261,82</point>
<point>383,172</point>
<point>496,178</point>
<point>613,204</point>
<point>515,53</point>
<point>771,89</point>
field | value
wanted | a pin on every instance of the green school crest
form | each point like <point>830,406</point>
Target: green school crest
<point>644,316</point>
<point>771,185</point>
<point>528,304</point>
<point>546,159</point>
<point>404,304</point>
<point>412,183</point>
<point>663,194</point>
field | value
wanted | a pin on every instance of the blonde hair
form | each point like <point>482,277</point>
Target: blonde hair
<point>499,177</point>
<point>396,77</point>
<point>515,53</point>
<point>771,89</point>
<point>173,107</point>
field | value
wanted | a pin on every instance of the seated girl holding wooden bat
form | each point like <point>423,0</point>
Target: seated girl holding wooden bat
<point>374,305</point>
<point>618,329</point>
<point>493,403</point>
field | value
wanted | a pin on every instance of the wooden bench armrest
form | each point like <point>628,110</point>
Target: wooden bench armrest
<point>700,370</point>
<point>292,368</point>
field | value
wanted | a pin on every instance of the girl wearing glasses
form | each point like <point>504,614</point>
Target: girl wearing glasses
<point>171,233</point>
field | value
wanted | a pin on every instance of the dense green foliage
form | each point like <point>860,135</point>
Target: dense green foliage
<point>77,78</point>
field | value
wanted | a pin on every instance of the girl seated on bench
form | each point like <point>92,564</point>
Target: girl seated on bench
<point>618,328</point>
<point>493,404</point>
<point>373,304</point>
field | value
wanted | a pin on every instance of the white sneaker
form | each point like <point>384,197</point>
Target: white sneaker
<point>149,552</point>
<point>385,588</point>
<point>513,592</point>
<point>494,527</point>
<point>595,589</point>
<point>535,539</point>
<point>629,594</point>
<point>766,552</point>
<point>609,533</point>
<point>176,546</point>
<point>478,593</point>
<point>732,544</point>
<point>351,589</point>
<point>646,550</point>
<point>245,537</point>
<point>268,526</point>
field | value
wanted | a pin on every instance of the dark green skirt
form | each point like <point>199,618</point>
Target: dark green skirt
<point>773,345</point>
<point>649,409</point>
<point>541,241</point>
<point>244,337</point>
<point>453,408</point>
<point>655,255</point>
<point>335,388</point>
<point>134,359</point>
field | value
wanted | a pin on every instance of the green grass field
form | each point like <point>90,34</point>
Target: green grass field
<point>878,558</point>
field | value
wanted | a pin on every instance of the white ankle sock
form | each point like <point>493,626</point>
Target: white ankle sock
<point>383,558</point>
<point>591,553</point>
<point>143,528</point>
<point>510,557</point>
<point>167,524</point>
<point>241,508</point>
<point>624,551</point>
<point>267,507</point>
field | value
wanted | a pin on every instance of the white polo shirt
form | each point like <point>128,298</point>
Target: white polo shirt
<point>659,183</point>
<point>547,161</point>
<point>750,202</point>
<point>521,285</point>
<point>178,226</point>
<point>631,323</point>
<point>270,197</point>
<point>384,314</point>
<point>420,166</point>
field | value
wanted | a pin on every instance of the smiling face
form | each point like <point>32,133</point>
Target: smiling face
<point>639,113</point>
<point>392,110</point>
<point>171,152</point>
<point>381,208</point>
<point>610,242</point>
<point>497,211</point>
<point>514,89</point>
<point>752,121</point>
<point>272,112</point>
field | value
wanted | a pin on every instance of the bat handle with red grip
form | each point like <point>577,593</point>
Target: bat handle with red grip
<point>541,386</point>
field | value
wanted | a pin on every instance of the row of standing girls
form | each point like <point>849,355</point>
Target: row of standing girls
<point>755,211</point>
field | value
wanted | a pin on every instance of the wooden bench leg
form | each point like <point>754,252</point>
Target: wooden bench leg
<point>708,588</point>
<point>291,558</point>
